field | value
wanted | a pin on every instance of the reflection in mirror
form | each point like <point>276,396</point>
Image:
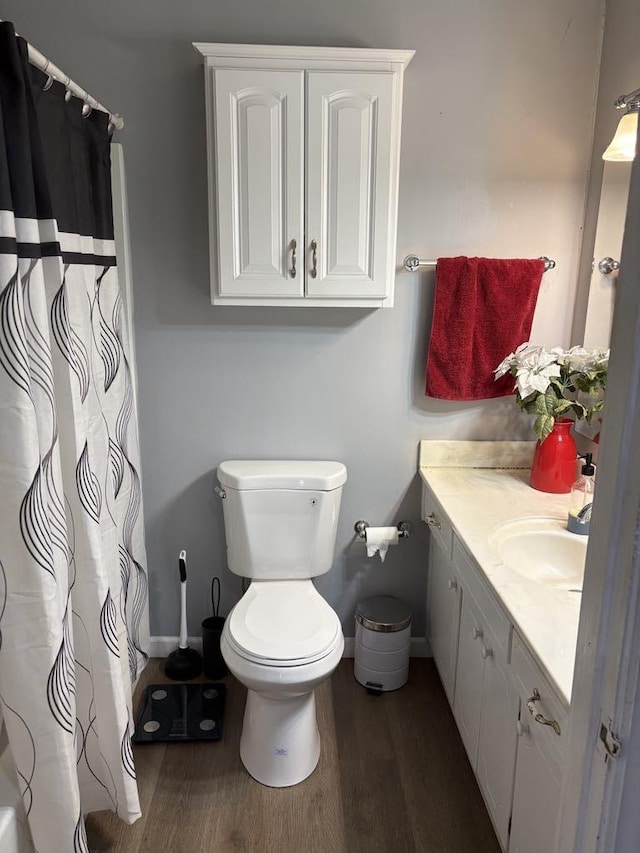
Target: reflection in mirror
<point>608,245</point>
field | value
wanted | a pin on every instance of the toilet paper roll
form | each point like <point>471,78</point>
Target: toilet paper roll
<point>378,540</point>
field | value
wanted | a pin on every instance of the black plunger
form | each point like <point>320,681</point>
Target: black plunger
<point>184,663</point>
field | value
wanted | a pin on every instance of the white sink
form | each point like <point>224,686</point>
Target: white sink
<point>542,550</point>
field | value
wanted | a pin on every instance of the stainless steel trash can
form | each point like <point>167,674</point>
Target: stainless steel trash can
<point>383,630</point>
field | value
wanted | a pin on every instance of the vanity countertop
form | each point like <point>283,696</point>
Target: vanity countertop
<point>478,499</point>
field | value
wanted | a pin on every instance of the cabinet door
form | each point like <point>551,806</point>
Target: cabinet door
<point>467,704</point>
<point>497,744</point>
<point>536,795</point>
<point>259,150</point>
<point>443,616</point>
<point>351,128</point>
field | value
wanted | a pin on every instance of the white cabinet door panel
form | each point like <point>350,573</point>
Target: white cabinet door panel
<point>443,616</point>
<point>349,157</point>
<point>260,174</point>
<point>497,745</point>
<point>536,796</point>
<point>467,704</point>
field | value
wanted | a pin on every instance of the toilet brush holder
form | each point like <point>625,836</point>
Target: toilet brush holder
<point>214,665</point>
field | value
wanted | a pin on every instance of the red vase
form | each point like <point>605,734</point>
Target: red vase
<point>554,467</point>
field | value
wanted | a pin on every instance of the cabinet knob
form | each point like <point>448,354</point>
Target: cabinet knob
<point>486,652</point>
<point>432,521</point>
<point>522,728</point>
<point>452,584</point>
<point>608,265</point>
<point>476,633</point>
<point>294,246</point>
<point>314,259</point>
<point>531,705</point>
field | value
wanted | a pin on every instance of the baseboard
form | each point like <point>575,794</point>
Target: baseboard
<point>160,647</point>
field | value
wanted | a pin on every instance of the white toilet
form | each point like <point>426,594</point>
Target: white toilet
<point>282,638</point>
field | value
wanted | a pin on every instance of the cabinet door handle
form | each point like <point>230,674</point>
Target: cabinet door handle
<point>522,728</point>
<point>476,633</point>
<point>292,271</point>
<point>486,652</point>
<point>314,259</point>
<point>531,705</point>
<point>452,584</point>
<point>432,521</point>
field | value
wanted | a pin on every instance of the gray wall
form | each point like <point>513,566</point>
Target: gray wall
<point>496,147</point>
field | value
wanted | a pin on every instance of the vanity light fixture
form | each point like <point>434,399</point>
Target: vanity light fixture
<point>623,144</point>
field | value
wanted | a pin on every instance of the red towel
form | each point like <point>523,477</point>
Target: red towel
<point>483,310</point>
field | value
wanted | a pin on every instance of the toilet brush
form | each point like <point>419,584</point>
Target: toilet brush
<point>183,663</point>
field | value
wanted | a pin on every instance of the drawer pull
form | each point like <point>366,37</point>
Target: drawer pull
<point>522,728</point>
<point>433,522</point>
<point>452,584</point>
<point>537,716</point>
<point>486,652</point>
<point>477,633</point>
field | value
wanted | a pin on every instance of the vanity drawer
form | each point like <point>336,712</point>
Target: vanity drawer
<point>439,525</point>
<point>529,681</point>
<point>477,585</point>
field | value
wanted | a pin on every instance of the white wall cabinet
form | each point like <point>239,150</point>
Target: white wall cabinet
<point>490,679</point>
<point>303,155</point>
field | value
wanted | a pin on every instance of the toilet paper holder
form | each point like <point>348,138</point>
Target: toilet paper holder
<point>404,528</point>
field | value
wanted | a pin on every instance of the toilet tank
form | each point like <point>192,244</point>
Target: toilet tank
<point>281,518</point>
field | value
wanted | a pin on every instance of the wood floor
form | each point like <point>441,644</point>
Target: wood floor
<point>393,777</point>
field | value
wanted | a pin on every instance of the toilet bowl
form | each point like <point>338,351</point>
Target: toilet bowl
<point>282,638</point>
<point>280,743</point>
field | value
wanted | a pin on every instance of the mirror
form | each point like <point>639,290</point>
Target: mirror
<point>608,245</point>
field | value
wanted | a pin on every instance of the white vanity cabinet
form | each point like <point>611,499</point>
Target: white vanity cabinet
<point>303,155</point>
<point>492,681</point>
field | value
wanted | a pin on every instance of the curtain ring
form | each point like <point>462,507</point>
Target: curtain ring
<point>111,126</point>
<point>48,84</point>
<point>87,109</point>
<point>68,93</point>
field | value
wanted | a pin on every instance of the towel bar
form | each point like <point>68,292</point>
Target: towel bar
<point>412,262</point>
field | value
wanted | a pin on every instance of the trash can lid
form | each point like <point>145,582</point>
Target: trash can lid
<point>383,613</point>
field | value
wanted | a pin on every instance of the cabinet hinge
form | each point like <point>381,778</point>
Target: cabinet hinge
<point>611,743</point>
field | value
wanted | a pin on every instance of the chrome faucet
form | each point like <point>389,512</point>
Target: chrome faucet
<point>585,513</point>
<point>581,521</point>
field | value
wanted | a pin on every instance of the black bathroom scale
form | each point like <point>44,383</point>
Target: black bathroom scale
<point>180,712</point>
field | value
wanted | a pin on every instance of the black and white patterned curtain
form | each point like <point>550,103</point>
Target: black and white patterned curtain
<point>73,586</point>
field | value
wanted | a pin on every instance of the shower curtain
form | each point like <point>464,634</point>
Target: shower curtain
<point>73,585</point>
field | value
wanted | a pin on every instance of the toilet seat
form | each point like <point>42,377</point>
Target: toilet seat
<point>283,623</point>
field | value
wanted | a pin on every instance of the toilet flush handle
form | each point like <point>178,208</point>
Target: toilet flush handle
<point>220,492</point>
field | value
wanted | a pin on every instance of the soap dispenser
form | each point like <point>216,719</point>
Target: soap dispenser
<point>582,497</point>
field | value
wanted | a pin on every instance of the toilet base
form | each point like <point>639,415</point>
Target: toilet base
<point>280,743</point>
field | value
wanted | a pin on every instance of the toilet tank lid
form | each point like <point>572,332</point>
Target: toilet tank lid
<point>288,474</point>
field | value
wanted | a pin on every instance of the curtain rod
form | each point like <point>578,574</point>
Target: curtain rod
<point>45,65</point>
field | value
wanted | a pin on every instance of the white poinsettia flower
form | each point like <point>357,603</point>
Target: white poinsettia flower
<point>536,377</point>
<point>536,359</point>
<point>577,358</point>
<point>559,353</point>
<point>599,359</point>
<point>504,366</point>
